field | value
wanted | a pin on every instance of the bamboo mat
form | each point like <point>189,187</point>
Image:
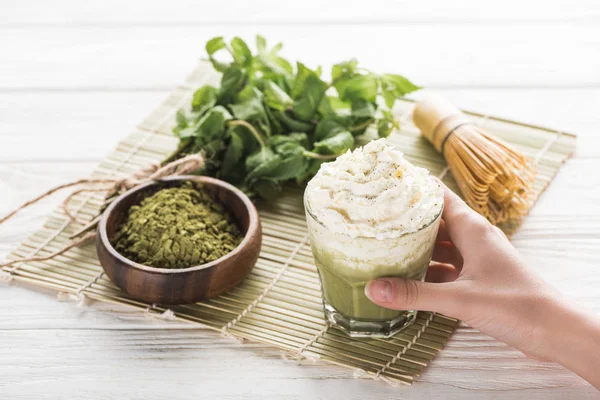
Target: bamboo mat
<point>280,302</point>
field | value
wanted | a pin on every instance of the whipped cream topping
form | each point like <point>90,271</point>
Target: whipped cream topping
<point>374,192</point>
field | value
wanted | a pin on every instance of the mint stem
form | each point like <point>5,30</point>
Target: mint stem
<point>318,156</point>
<point>251,128</point>
<point>361,126</point>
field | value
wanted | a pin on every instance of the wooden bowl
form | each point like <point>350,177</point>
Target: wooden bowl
<point>185,285</point>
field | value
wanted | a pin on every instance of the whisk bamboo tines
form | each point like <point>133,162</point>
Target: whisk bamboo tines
<point>495,179</point>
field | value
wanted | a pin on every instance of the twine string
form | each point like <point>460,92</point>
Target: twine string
<point>187,164</point>
<point>149,308</point>
<point>167,315</point>
<point>382,377</point>
<point>65,204</point>
<point>546,147</point>
<point>50,238</point>
<point>89,283</point>
<point>86,227</point>
<point>123,162</point>
<point>62,227</point>
<point>5,277</point>
<point>312,340</point>
<point>50,192</point>
<point>147,174</point>
<point>79,242</point>
<point>261,296</point>
<point>116,186</point>
<point>79,297</point>
<point>406,348</point>
<point>542,151</point>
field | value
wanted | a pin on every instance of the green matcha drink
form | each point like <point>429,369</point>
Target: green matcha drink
<point>370,214</point>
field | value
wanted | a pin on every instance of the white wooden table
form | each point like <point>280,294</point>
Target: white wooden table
<point>76,76</point>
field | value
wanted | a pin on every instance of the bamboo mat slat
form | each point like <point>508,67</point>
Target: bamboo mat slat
<point>279,303</point>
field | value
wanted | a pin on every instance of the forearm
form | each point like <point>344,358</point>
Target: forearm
<point>573,335</point>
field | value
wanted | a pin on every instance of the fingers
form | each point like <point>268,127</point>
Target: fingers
<point>445,252</point>
<point>443,235</point>
<point>405,294</point>
<point>461,222</point>
<point>439,273</point>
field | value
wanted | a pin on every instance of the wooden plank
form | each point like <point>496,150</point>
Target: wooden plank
<point>89,351</point>
<point>103,365</point>
<point>99,349</point>
<point>71,125</point>
<point>554,234</point>
<point>21,182</point>
<point>39,308</point>
<point>84,126</point>
<point>488,360</point>
<point>465,56</point>
<point>237,12</point>
<point>54,349</point>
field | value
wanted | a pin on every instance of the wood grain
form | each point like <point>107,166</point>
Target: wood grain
<point>99,350</point>
<point>238,12</point>
<point>81,118</point>
<point>185,285</point>
<point>68,65</point>
<point>456,56</point>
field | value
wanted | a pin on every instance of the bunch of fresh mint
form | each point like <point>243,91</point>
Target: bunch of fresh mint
<point>269,122</point>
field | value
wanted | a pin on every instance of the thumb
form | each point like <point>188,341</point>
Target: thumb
<point>407,294</point>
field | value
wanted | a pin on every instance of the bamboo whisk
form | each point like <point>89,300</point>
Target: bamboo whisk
<point>494,178</point>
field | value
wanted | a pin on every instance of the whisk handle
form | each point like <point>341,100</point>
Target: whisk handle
<point>437,118</point>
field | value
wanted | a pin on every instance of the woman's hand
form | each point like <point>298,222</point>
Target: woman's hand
<point>481,279</point>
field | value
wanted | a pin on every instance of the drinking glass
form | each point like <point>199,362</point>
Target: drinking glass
<point>346,264</point>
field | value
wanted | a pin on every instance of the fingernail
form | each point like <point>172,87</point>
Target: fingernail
<point>379,291</point>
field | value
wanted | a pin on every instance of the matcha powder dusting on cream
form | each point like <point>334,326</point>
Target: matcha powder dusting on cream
<point>177,227</point>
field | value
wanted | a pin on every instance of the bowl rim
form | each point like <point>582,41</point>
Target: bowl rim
<point>253,224</point>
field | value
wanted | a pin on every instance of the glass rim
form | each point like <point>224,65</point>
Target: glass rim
<point>425,226</point>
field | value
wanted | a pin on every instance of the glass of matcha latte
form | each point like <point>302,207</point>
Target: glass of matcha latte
<point>370,214</point>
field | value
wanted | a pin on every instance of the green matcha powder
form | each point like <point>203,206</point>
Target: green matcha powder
<point>177,227</point>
